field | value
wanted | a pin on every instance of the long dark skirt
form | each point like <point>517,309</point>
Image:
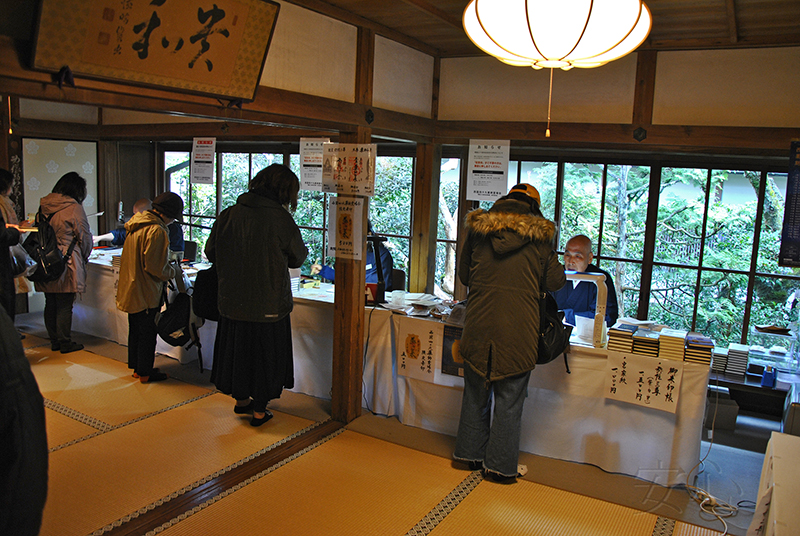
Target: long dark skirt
<point>253,359</point>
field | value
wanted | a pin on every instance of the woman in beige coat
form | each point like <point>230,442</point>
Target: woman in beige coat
<point>69,221</point>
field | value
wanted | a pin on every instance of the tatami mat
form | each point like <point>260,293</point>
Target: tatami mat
<point>356,484</point>
<point>534,509</point>
<point>62,429</point>
<point>351,484</point>
<point>685,529</point>
<point>105,478</point>
<point>103,388</point>
<point>31,341</point>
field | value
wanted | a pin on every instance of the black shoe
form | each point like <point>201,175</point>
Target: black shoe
<point>55,346</point>
<point>136,374</point>
<point>258,422</point>
<point>241,410</point>
<point>70,346</point>
<point>154,376</point>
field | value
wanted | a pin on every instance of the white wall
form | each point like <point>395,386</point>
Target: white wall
<point>57,111</point>
<point>738,88</point>
<point>46,161</point>
<point>403,80</point>
<point>311,53</point>
<point>485,89</point>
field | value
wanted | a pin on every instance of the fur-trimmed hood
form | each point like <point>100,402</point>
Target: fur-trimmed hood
<point>510,225</point>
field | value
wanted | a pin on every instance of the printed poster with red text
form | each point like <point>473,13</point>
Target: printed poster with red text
<point>487,178</point>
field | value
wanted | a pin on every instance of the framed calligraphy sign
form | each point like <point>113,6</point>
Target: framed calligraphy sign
<point>212,47</point>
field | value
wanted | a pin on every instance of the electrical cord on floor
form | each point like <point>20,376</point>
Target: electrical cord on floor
<point>707,502</point>
<point>364,363</point>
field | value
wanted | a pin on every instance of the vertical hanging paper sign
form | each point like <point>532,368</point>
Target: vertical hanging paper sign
<point>644,381</point>
<point>418,342</point>
<point>349,168</point>
<point>311,163</point>
<point>202,169</point>
<point>345,232</point>
<point>488,169</point>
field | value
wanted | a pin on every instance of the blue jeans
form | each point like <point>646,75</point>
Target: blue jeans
<point>481,438</point>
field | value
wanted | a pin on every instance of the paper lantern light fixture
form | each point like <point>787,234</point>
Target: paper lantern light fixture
<point>557,34</point>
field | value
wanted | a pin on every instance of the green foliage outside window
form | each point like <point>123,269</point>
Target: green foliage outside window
<point>704,237</point>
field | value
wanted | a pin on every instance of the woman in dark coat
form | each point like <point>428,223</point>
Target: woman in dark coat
<point>253,244</point>
<point>506,250</point>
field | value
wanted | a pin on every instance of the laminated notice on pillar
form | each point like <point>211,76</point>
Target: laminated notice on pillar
<point>311,163</point>
<point>487,178</point>
<point>349,168</point>
<point>644,381</point>
<point>417,344</point>
<point>345,231</point>
<point>203,151</point>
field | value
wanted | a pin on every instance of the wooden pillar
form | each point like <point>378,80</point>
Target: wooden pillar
<point>349,299</point>
<point>348,320</point>
<point>425,217</point>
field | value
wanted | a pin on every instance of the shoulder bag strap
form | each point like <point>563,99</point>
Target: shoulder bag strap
<point>542,290</point>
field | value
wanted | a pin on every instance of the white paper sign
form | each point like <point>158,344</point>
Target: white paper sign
<point>202,170</point>
<point>488,169</point>
<point>349,168</point>
<point>345,232</point>
<point>311,163</point>
<point>644,381</point>
<point>418,342</point>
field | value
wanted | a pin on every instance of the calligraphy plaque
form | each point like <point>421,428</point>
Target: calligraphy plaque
<point>214,47</point>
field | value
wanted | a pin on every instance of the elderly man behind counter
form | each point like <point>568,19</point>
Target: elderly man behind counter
<point>579,298</point>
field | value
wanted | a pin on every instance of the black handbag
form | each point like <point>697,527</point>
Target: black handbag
<point>204,295</point>
<point>553,332</point>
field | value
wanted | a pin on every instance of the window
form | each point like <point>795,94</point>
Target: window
<point>715,242</point>
<point>390,208</point>
<point>199,200</point>
<point>447,228</point>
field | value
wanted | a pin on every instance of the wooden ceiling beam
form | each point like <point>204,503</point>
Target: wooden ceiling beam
<point>756,41</point>
<point>435,12</point>
<point>660,138</point>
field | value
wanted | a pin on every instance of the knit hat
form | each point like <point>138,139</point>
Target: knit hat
<point>169,204</point>
<point>526,189</point>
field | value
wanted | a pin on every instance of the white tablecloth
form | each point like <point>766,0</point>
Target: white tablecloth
<point>776,511</point>
<point>566,416</point>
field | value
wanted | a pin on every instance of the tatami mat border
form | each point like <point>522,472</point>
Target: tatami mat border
<point>664,527</point>
<point>440,511</point>
<point>175,494</point>
<point>243,483</point>
<point>101,426</point>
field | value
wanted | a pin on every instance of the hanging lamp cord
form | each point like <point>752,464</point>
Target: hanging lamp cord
<point>549,101</point>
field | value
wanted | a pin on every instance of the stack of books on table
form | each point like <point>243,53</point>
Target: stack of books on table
<point>620,337</point>
<point>699,348</point>
<point>645,342</point>
<point>671,344</point>
<point>737,359</point>
<point>719,359</point>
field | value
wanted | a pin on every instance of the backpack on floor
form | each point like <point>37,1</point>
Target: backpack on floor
<point>178,325</point>
<point>43,248</point>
